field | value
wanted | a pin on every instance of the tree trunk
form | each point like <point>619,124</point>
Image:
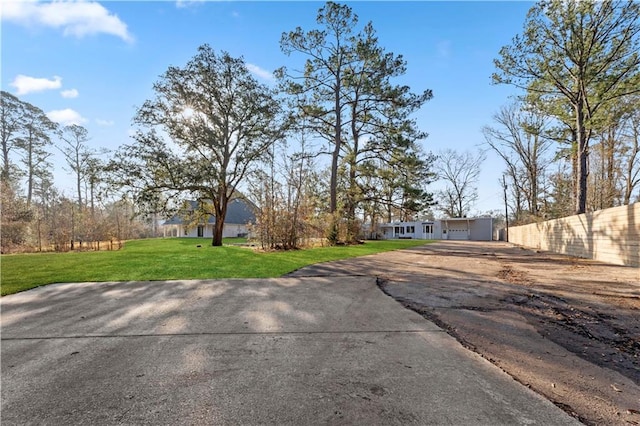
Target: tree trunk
<point>610,194</point>
<point>533,177</point>
<point>93,211</point>
<point>337,141</point>
<point>582,154</point>
<point>631,177</point>
<point>73,227</point>
<point>5,159</point>
<point>535,188</point>
<point>352,190</point>
<point>79,185</point>
<point>218,228</point>
<point>217,233</point>
<point>333,201</point>
<point>29,174</point>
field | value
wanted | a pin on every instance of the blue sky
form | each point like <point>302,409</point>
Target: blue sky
<point>93,63</point>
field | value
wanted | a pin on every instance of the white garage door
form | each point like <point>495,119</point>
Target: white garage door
<point>458,233</point>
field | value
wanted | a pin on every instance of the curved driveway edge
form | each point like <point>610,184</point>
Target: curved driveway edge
<point>280,351</point>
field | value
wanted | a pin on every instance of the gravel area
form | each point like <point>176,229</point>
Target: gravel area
<point>568,328</point>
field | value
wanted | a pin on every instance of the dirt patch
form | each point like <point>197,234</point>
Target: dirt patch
<point>594,334</point>
<point>512,276</point>
<point>568,328</point>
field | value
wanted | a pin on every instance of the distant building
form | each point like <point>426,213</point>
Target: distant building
<point>475,229</point>
<point>240,213</point>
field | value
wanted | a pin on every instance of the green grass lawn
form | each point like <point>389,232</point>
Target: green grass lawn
<point>171,258</point>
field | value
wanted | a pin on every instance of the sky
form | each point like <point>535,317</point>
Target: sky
<point>94,63</point>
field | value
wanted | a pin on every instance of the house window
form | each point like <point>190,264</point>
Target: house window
<point>399,230</point>
<point>427,229</point>
<point>200,231</point>
<point>186,232</point>
<point>411,229</point>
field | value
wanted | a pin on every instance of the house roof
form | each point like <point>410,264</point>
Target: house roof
<point>239,212</point>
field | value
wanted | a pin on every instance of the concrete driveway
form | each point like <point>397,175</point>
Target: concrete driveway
<point>312,350</point>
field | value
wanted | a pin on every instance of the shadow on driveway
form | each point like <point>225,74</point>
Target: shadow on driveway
<point>332,350</point>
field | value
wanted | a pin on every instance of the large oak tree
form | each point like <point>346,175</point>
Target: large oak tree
<point>208,125</point>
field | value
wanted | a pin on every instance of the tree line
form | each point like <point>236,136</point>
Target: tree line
<point>570,140</point>
<point>35,214</point>
<point>227,132</point>
<point>212,132</point>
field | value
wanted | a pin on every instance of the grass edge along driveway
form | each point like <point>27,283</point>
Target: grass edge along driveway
<point>171,259</point>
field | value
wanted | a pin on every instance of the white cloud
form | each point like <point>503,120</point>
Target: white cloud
<point>25,84</point>
<point>187,3</point>
<point>71,93</point>
<point>66,116</point>
<point>75,18</point>
<point>105,123</point>
<point>260,72</point>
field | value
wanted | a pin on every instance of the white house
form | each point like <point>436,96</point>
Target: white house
<point>240,214</point>
<point>475,229</point>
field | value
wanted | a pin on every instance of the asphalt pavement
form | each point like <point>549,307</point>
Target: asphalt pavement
<point>297,351</point>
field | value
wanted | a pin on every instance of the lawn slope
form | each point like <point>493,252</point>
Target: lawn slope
<point>168,259</point>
